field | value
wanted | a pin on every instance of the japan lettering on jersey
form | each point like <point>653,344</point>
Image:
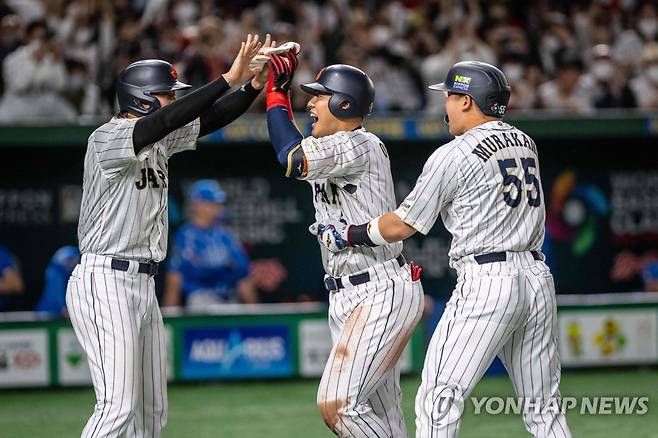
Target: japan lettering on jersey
<point>487,187</point>
<point>350,175</point>
<point>124,197</point>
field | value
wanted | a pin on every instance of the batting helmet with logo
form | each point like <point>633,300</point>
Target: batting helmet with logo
<point>140,80</point>
<point>352,92</point>
<point>485,83</point>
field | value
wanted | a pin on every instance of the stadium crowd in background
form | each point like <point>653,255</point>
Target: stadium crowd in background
<point>573,56</point>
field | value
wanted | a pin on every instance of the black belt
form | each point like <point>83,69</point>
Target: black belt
<point>500,257</point>
<point>335,283</point>
<point>150,268</point>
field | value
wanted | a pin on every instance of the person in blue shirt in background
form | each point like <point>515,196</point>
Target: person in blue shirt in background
<point>208,264</point>
<point>11,281</point>
<point>650,276</point>
<point>53,297</point>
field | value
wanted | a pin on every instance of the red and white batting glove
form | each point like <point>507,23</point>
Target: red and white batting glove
<point>282,71</point>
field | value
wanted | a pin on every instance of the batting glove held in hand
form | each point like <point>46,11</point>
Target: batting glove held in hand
<point>332,236</point>
<point>282,70</point>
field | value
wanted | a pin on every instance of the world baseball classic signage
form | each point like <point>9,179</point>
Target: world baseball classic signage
<point>236,352</point>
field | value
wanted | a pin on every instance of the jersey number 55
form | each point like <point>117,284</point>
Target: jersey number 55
<point>530,179</point>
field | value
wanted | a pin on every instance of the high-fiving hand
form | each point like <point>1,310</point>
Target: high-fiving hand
<point>260,71</point>
<point>239,71</point>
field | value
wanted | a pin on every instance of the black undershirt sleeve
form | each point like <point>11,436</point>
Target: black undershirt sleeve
<point>227,109</point>
<point>160,123</point>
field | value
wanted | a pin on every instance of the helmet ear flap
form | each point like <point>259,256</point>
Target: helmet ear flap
<point>337,106</point>
<point>152,102</point>
<point>133,100</point>
<point>497,104</point>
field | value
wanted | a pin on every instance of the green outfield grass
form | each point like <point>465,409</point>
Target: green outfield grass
<point>287,409</point>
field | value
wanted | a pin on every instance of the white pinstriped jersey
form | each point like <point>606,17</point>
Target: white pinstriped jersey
<point>487,188</point>
<point>350,175</point>
<point>124,197</point>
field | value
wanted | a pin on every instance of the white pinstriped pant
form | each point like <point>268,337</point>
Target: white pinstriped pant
<point>502,308</point>
<point>359,394</point>
<point>117,320</point>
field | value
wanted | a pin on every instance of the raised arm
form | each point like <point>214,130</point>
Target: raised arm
<point>179,113</point>
<point>233,105</point>
<point>284,134</point>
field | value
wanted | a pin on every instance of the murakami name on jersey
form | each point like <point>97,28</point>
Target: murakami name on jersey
<point>495,142</point>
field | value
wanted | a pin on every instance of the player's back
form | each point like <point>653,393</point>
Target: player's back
<point>498,204</point>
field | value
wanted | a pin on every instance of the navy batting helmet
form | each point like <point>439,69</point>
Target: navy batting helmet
<point>137,83</point>
<point>345,84</point>
<point>486,84</point>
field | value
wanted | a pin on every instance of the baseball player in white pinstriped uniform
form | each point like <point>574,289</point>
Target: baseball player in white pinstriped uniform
<point>123,234</point>
<point>487,187</point>
<point>375,297</point>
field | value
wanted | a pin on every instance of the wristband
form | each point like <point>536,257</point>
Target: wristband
<point>278,98</point>
<point>375,234</point>
<point>365,234</point>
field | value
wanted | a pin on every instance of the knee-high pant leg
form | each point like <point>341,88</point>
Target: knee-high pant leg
<point>532,361</point>
<point>508,310</point>
<point>117,321</point>
<point>151,409</point>
<point>479,318</point>
<point>359,393</point>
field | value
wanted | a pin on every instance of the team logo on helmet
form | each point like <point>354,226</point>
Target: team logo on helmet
<point>317,77</point>
<point>174,73</point>
<point>498,108</point>
<point>461,82</point>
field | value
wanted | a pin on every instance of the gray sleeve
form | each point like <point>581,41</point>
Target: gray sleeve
<point>113,145</point>
<point>434,190</point>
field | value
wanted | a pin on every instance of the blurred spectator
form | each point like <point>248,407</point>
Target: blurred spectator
<point>82,93</point>
<point>11,281</point>
<point>628,45</point>
<point>34,75</point>
<point>645,86</point>
<point>53,297</point>
<point>208,264</point>
<point>205,56</point>
<point>523,79</point>
<point>11,36</point>
<point>556,40</point>
<point>569,91</point>
<point>609,81</point>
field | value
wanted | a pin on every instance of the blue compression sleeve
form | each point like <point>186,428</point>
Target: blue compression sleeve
<point>286,140</point>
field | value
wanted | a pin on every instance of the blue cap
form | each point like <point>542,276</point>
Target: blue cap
<point>207,190</point>
<point>67,256</point>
